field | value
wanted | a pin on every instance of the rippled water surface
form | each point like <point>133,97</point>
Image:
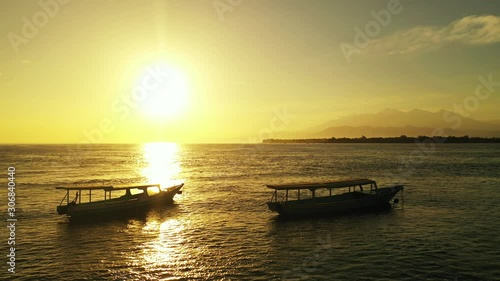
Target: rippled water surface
<point>220,228</point>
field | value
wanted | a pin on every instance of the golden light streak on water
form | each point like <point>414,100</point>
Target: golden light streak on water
<point>164,250</point>
<point>163,164</point>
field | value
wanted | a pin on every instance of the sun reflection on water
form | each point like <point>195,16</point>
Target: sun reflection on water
<point>163,164</point>
<point>160,237</point>
<point>163,250</point>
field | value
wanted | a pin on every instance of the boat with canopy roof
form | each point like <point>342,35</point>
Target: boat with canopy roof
<point>130,198</point>
<point>332,197</point>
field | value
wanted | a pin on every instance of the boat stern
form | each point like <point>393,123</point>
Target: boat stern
<point>62,209</point>
<point>397,188</point>
<point>274,206</point>
<point>387,193</point>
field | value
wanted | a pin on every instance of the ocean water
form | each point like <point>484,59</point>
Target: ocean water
<point>221,229</point>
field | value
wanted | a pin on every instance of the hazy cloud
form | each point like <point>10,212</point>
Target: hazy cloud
<point>470,30</point>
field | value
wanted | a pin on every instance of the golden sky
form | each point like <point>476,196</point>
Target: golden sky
<point>229,71</point>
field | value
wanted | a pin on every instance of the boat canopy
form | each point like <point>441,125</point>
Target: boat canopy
<point>318,185</point>
<point>107,187</point>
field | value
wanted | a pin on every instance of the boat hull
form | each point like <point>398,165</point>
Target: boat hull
<point>338,204</point>
<point>120,206</point>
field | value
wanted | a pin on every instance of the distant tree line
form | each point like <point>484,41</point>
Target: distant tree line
<point>400,139</point>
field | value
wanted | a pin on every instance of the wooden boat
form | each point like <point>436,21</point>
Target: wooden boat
<point>334,197</point>
<point>136,198</point>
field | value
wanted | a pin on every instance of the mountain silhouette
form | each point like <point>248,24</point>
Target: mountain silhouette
<point>394,123</point>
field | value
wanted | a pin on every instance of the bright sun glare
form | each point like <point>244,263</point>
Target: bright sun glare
<point>162,163</point>
<point>168,97</point>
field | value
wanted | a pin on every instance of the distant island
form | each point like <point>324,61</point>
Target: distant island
<point>400,139</point>
<point>394,123</point>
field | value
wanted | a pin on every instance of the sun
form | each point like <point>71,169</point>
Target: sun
<point>169,95</point>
